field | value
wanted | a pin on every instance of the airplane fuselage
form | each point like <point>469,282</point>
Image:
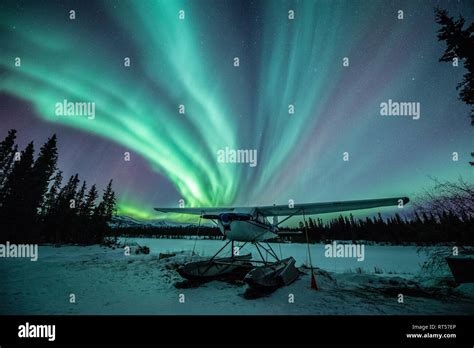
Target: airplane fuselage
<point>256,229</point>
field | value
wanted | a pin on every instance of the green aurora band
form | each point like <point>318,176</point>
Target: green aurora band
<point>283,62</point>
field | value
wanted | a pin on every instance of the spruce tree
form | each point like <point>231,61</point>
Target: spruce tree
<point>98,223</point>
<point>5,172</point>
<point>52,195</point>
<point>62,227</point>
<point>459,45</point>
<point>16,195</point>
<point>80,196</point>
<point>43,170</point>
<point>7,151</point>
<point>86,217</point>
<point>103,214</point>
<point>89,204</point>
<point>109,201</point>
<point>38,182</point>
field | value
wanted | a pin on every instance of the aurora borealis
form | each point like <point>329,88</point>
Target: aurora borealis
<point>282,62</point>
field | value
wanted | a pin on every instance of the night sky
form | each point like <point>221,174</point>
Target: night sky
<point>190,62</point>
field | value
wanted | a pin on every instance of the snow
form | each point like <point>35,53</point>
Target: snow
<point>106,281</point>
<point>407,260</point>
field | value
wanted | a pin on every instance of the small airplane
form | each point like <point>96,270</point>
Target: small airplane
<point>250,225</point>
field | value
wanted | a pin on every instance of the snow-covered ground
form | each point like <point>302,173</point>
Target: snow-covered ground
<point>106,281</point>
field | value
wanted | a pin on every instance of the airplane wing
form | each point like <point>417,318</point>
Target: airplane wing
<point>330,207</point>
<point>195,211</point>
<point>298,209</point>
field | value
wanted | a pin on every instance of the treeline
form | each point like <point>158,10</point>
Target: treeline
<point>446,227</point>
<point>420,229</point>
<point>171,232</point>
<point>36,207</point>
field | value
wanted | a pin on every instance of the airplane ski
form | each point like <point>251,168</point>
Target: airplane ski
<point>214,268</point>
<point>273,276</point>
